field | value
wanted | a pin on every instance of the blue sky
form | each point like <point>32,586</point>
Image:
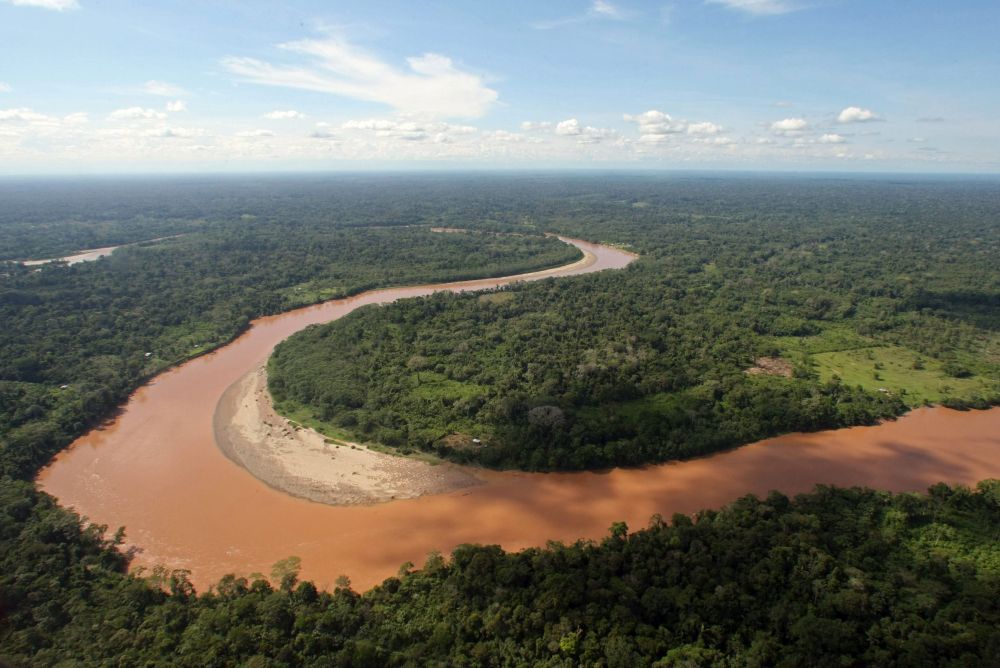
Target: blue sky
<point>841,85</point>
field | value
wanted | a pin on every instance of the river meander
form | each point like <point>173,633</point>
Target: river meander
<point>155,469</point>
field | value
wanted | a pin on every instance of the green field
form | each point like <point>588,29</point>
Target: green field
<point>900,371</point>
<point>431,385</point>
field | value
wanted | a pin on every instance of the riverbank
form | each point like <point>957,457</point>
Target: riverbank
<point>302,462</point>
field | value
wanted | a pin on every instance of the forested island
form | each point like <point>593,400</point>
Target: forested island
<point>758,306</point>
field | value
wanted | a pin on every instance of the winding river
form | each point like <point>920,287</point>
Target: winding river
<point>156,470</point>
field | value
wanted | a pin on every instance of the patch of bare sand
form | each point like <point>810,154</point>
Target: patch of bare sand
<point>771,366</point>
<point>302,463</point>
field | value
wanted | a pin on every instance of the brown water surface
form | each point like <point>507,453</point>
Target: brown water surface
<point>155,469</point>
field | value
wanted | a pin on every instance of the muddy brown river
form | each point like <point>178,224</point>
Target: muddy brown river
<point>156,470</point>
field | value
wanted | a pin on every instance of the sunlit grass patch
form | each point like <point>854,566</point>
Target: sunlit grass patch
<point>903,372</point>
<point>430,385</point>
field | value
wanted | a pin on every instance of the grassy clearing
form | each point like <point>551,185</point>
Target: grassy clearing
<point>435,386</point>
<point>183,342</point>
<point>632,412</point>
<point>832,339</point>
<point>303,416</point>
<point>496,298</point>
<point>914,378</point>
<point>309,293</point>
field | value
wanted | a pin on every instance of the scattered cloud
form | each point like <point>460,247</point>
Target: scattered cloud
<point>56,5</point>
<point>139,132</point>
<point>532,126</point>
<point>175,106</point>
<point>831,138</point>
<point>857,115</point>
<point>135,114</point>
<point>655,125</point>
<point>584,134</point>
<point>789,127</point>
<point>783,103</point>
<point>28,116</point>
<point>758,7</point>
<point>4,87</point>
<point>279,115</point>
<point>716,141</point>
<point>599,9</point>
<point>21,114</point>
<point>321,133</point>
<point>432,85</point>
<point>255,134</point>
<point>163,89</point>
<point>176,133</point>
<point>704,128</point>
<point>568,127</point>
<point>409,130</point>
<point>931,119</point>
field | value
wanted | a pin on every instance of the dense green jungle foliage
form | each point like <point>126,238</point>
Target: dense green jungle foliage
<point>878,271</point>
<point>834,578</point>
<point>89,326</point>
<point>874,297</point>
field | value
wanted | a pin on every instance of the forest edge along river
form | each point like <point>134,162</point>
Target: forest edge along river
<point>155,469</point>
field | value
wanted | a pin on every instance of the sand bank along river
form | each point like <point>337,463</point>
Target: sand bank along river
<point>157,471</point>
<point>93,253</point>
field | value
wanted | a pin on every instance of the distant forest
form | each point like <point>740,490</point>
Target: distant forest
<point>758,305</point>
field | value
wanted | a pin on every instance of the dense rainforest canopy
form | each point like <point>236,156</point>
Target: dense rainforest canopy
<point>851,286</point>
<point>755,309</point>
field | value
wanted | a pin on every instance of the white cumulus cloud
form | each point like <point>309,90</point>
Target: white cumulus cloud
<point>584,134</point>
<point>857,115</point>
<point>570,126</point>
<point>4,87</point>
<point>409,130</point>
<point>704,128</point>
<point>134,114</point>
<point>175,106</point>
<point>431,85</point>
<point>655,125</point>
<point>280,115</point>
<point>789,126</point>
<point>22,114</point>
<point>831,138</point>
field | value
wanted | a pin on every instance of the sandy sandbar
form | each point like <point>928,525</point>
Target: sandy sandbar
<point>302,462</point>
